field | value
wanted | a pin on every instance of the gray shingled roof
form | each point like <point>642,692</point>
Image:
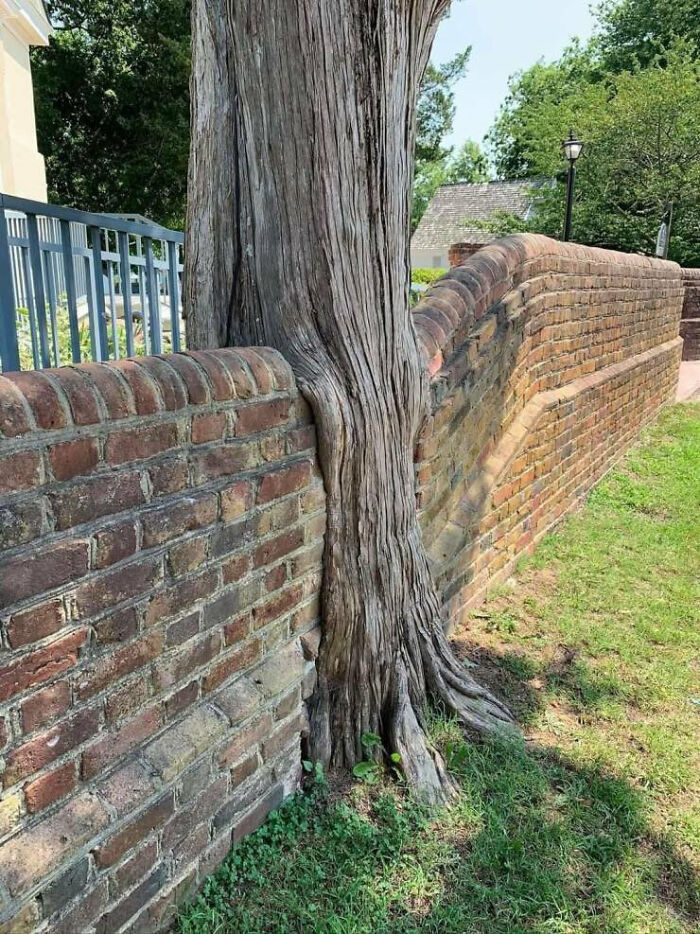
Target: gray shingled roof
<point>446,218</point>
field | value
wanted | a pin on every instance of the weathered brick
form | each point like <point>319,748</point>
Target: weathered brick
<point>50,787</point>
<point>245,740</point>
<point>96,497</point>
<point>260,416</point>
<point>239,700</point>
<point>276,548</point>
<point>20,523</point>
<point>143,388</point>
<point>43,399</point>
<point>229,603</point>
<point>279,671</point>
<point>81,916</point>
<point>193,512</point>
<point>194,654</point>
<point>225,459</point>
<point>280,604</point>
<point>36,623</point>
<point>116,917</point>
<point>114,544</point>
<point>10,814</point>
<point>228,538</point>
<point>43,749</point>
<point>110,668</point>
<point>236,499</point>
<point>187,556</point>
<point>283,736</point>
<point>201,808</point>
<point>231,663</point>
<point>41,665</point>
<point>284,481</point>
<point>73,458</point>
<point>151,818</point>
<point>182,596</point>
<point>244,769</point>
<point>170,476</point>
<point>181,699</point>
<point>133,869</point>
<point>43,706</point>
<point>182,630</point>
<point>135,444</point>
<point>208,426</point>
<point>109,589</point>
<point>289,703</point>
<point>182,743</point>
<point>24,922</point>
<point>117,743</point>
<point>258,814</point>
<point>35,572</point>
<point>32,855</point>
<point>125,699</point>
<point>238,629</point>
<point>119,626</point>
<point>127,788</point>
<point>63,889</point>
<point>20,471</point>
<point>14,414</point>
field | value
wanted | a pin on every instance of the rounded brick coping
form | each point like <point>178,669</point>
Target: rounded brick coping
<point>484,278</point>
<point>94,393</point>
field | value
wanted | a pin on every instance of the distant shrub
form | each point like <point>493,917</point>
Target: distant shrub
<point>426,276</point>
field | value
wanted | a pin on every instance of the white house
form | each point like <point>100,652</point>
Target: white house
<point>23,23</point>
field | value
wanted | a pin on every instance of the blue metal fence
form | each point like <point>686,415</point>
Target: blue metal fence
<point>80,286</point>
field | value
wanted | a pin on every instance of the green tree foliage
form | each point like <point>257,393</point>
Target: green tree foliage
<point>632,94</point>
<point>112,101</point>
<point>113,106</point>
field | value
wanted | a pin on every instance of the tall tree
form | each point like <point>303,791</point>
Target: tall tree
<point>303,128</point>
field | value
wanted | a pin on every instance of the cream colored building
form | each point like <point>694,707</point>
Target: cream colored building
<point>23,23</point>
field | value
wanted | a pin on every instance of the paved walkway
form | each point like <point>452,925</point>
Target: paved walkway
<point>689,382</point>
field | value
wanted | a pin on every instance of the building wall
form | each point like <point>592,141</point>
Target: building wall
<point>161,526</point>
<point>22,173</point>
<point>690,320</point>
<point>546,360</point>
<point>161,539</point>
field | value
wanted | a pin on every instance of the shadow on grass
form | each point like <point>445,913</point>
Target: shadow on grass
<point>534,843</point>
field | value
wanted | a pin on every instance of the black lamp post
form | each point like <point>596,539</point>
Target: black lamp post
<point>572,150</point>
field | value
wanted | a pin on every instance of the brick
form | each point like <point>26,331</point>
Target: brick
<point>182,743</point>
<point>244,769</point>
<point>281,514</point>
<point>10,814</point>
<point>113,587</point>
<point>225,459</point>
<point>118,743</point>
<point>14,415</point>
<point>20,471</point>
<point>171,476</point>
<point>41,665</point>
<point>230,603</point>
<point>116,917</point>
<point>73,458</point>
<point>201,808</point>
<point>187,556</point>
<point>281,739</point>
<point>43,399</point>
<point>136,444</point>
<point>195,654</point>
<point>255,363</point>
<point>144,390</point>
<point>81,916</point>
<point>238,629</point>
<point>258,814</point>
<point>133,869</point>
<point>193,512</point>
<point>276,548</point>
<point>245,740</point>
<point>36,623</point>
<point>239,700</point>
<point>261,416</point>
<point>289,703</point>
<point>32,855</point>
<point>20,523</point>
<point>126,699</point>
<point>182,699</point>
<point>150,819</point>
<point>183,630</point>
<point>65,888</point>
<point>228,538</point>
<point>172,389</point>
<point>31,573</point>
<point>119,626</point>
<point>124,660</point>
<point>279,605</point>
<point>235,661</point>
<point>127,788</point>
<point>79,392</point>
<point>210,426</point>
<point>114,544</point>
<point>25,921</point>
<point>43,706</point>
<point>182,596</point>
<point>50,787</point>
<point>301,439</point>
<point>49,746</point>
<point>279,671</point>
<point>97,497</point>
<point>236,499</point>
<point>284,481</point>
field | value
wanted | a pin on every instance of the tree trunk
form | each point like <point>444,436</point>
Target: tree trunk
<point>298,234</point>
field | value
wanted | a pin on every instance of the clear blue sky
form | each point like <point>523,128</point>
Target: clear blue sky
<point>506,36</point>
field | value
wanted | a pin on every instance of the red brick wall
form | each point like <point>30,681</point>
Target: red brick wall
<point>161,526</point>
<point>690,319</point>
<point>546,359</point>
<point>458,252</point>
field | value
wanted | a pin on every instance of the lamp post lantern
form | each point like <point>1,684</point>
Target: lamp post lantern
<point>572,150</point>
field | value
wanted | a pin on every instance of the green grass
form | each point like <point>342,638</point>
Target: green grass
<point>590,823</point>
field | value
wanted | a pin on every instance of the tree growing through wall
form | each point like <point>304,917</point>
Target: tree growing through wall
<point>303,128</point>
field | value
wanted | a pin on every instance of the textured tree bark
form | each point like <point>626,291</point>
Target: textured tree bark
<point>298,234</point>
